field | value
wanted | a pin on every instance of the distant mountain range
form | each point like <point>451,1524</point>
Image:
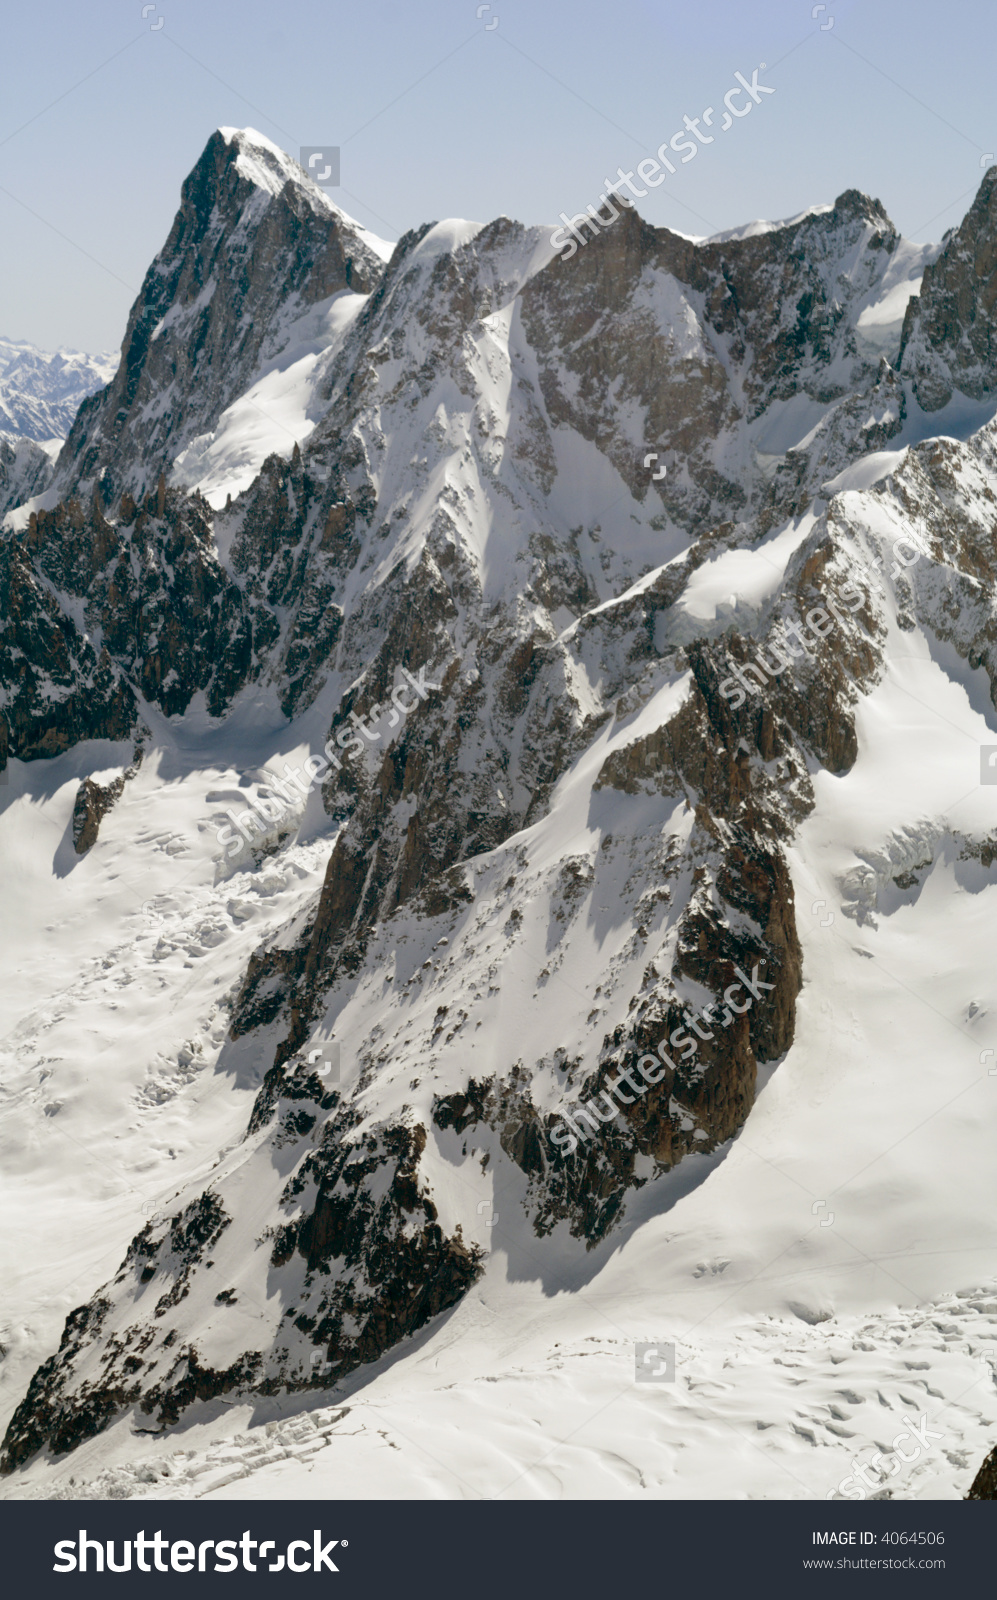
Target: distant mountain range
<point>41,390</point>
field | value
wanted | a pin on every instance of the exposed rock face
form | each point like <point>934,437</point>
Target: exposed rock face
<point>41,1419</point>
<point>949,337</point>
<point>693,1105</point>
<point>394,1268</point>
<point>984,1485</point>
<point>48,1411</point>
<point>699,340</point>
<point>153,588</point>
<point>56,690</point>
<point>377,1267</point>
<point>25,469</point>
<point>93,802</point>
<point>254,241</point>
<point>594,746</point>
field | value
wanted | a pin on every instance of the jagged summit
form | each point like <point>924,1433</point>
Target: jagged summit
<point>253,245</point>
<point>265,163</point>
<point>856,203</point>
<point>256,244</point>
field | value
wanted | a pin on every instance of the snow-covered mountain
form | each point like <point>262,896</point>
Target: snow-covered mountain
<point>42,390</point>
<point>641,874</point>
<point>40,393</point>
<point>248,276</point>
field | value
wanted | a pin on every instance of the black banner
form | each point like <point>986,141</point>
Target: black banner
<point>494,1548</point>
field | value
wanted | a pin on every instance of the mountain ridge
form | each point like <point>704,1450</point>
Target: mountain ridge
<point>579,795</point>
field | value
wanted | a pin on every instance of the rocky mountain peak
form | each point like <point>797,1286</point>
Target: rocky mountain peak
<point>854,203</point>
<point>254,243</point>
<point>949,340</point>
<point>238,166</point>
<point>25,470</point>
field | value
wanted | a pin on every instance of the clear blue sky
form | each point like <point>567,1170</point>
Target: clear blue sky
<point>525,119</point>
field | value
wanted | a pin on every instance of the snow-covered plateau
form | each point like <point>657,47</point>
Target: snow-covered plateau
<point>682,737</point>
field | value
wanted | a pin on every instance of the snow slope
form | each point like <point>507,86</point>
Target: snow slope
<point>278,410</point>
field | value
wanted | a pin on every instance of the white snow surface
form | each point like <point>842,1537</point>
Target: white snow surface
<point>751,230</point>
<point>280,409</point>
<point>733,586</point>
<point>881,318</point>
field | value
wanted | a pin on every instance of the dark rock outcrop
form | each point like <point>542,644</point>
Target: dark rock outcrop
<point>984,1485</point>
<point>93,802</point>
